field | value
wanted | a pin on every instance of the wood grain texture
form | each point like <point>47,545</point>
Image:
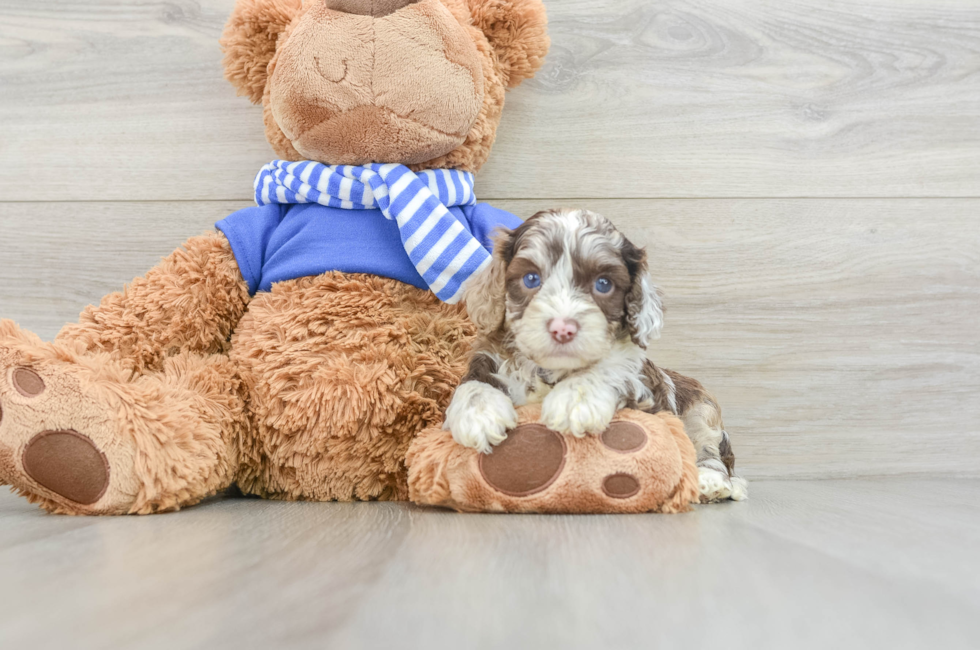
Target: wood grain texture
<point>840,336</point>
<point>887,563</point>
<point>59,257</point>
<point>636,99</point>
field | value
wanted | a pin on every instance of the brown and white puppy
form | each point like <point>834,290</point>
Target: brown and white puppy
<point>565,312</point>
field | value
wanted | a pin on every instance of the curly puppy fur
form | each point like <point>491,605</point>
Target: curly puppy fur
<point>565,313</point>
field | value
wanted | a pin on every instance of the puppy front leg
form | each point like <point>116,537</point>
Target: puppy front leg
<point>480,412</point>
<point>580,404</point>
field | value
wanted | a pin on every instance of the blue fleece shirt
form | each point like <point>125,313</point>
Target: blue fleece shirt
<point>278,242</point>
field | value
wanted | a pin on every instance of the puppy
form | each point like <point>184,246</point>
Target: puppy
<point>565,312</point>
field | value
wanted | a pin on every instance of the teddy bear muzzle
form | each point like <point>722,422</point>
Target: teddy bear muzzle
<point>361,81</point>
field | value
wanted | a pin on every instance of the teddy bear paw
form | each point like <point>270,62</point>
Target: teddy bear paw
<point>57,443</point>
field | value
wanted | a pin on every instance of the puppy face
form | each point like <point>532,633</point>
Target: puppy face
<point>564,287</point>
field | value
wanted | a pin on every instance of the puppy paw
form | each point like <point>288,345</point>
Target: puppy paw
<point>479,416</point>
<point>713,484</point>
<point>740,489</point>
<point>578,407</point>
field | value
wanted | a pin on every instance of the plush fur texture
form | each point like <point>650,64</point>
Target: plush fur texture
<point>342,371</point>
<point>250,39</point>
<point>190,302</point>
<point>184,385</point>
<point>566,312</point>
<point>422,85</point>
<point>517,32</point>
<point>317,395</point>
<point>355,89</point>
<point>170,437</point>
<point>446,474</point>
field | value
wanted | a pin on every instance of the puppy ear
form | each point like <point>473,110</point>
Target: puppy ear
<point>484,295</point>
<point>644,304</point>
<point>517,31</point>
<point>249,42</point>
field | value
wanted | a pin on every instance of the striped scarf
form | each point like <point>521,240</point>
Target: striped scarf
<point>442,250</point>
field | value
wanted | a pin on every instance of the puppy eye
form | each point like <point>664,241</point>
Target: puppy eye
<point>532,280</point>
<point>603,285</point>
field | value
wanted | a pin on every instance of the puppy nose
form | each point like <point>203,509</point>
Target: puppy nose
<point>563,330</point>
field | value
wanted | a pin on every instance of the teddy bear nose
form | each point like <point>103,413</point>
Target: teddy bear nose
<point>375,8</point>
<point>563,330</point>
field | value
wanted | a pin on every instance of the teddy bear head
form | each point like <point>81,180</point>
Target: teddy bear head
<point>416,82</point>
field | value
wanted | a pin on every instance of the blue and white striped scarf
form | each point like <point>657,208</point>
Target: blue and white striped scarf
<point>442,250</point>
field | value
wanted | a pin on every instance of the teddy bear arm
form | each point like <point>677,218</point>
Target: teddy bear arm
<point>190,302</point>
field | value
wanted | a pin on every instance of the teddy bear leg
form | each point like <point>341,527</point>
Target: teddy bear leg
<point>133,409</point>
<point>80,434</point>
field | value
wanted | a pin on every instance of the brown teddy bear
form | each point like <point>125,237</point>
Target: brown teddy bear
<point>283,353</point>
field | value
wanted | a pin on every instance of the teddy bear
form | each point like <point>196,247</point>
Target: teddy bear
<point>297,350</point>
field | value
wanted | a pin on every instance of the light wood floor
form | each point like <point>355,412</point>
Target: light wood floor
<point>882,563</point>
<point>806,177</point>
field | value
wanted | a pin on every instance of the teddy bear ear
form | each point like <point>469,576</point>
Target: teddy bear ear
<point>249,41</point>
<point>517,31</point>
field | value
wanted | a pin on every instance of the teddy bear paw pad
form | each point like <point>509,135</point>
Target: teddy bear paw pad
<point>626,437</point>
<point>620,486</point>
<point>27,382</point>
<point>68,464</point>
<point>527,462</point>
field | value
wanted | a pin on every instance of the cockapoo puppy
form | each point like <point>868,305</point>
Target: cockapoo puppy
<point>565,312</point>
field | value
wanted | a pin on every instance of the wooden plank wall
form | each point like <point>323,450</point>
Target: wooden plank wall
<point>806,176</point>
